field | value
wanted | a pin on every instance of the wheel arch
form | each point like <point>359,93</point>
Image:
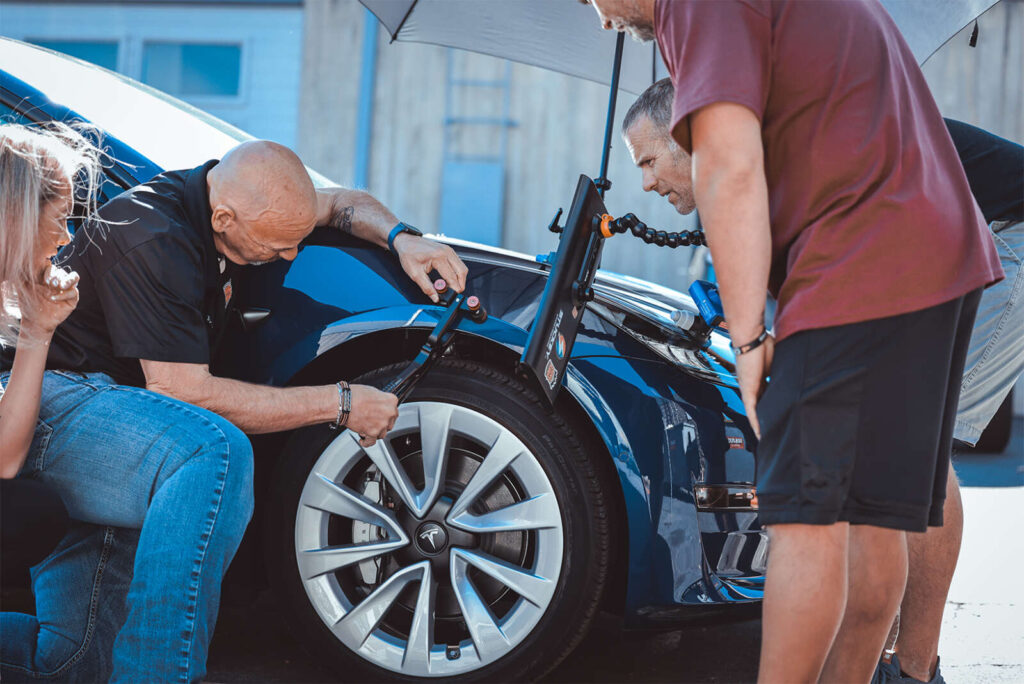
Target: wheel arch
<point>500,344</point>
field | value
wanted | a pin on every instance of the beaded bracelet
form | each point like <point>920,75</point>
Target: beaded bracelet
<point>751,346</point>
<point>344,405</point>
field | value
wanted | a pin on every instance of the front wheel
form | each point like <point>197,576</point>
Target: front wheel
<point>471,543</point>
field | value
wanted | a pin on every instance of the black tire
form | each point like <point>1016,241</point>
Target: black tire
<point>578,485</point>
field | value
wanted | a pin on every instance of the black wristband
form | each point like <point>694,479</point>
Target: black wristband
<point>750,346</point>
<point>398,230</point>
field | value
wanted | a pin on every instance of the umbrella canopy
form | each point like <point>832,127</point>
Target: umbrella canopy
<point>564,35</point>
<point>559,35</point>
<point>926,25</point>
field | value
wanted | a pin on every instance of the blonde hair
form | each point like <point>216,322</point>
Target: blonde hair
<point>37,166</point>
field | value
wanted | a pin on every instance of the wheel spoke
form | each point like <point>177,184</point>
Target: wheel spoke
<point>316,562</point>
<point>421,634</point>
<point>535,513</point>
<point>534,588</point>
<point>505,449</point>
<point>384,457</point>
<point>360,622</point>
<point>327,495</point>
<point>489,639</point>
<point>435,423</point>
<point>370,490</point>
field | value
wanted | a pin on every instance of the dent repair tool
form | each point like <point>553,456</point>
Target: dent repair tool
<point>457,305</point>
<point>570,283</point>
<point>610,226</point>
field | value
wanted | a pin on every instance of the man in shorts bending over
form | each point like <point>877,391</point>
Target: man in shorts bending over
<point>824,173</point>
<point>995,359</point>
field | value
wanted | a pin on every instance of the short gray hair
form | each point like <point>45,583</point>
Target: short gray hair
<point>655,103</point>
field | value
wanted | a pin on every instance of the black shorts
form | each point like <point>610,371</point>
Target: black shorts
<point>857,421</point>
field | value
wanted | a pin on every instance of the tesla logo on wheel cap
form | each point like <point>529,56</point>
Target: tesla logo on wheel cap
<point>431,538</point>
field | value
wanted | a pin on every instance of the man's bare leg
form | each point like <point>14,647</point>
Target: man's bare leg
<point>805,592</point>
<point>932,555</point>
<point>877,576</point>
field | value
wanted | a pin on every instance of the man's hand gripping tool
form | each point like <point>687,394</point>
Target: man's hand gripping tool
<point>440,339</point>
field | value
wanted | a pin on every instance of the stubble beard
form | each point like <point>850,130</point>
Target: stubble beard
<point>641,33</point>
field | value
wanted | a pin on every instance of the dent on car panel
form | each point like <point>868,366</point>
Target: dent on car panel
<point>682,432</point>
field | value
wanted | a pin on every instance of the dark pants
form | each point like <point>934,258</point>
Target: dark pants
<point>857,421</point>
<point>32,520</point>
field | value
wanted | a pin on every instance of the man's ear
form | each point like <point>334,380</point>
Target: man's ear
<point>223,217</point>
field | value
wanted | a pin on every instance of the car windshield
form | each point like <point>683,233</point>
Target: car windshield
<point>169,132</point>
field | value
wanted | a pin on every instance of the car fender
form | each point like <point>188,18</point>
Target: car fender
<point>638,517</point>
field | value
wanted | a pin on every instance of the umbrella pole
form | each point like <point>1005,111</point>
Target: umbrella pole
<point>602,181</point>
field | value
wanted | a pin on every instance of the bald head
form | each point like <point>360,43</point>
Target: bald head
<point>263,202</point>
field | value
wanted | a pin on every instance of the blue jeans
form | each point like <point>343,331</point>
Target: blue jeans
<point>995,358</point>
<point>137,469</point>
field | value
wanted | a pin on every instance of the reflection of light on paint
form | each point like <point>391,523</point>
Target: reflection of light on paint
<point>689,434</point>
<point>726,497</point>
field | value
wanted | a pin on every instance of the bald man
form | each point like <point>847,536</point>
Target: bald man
<point>147,447</point>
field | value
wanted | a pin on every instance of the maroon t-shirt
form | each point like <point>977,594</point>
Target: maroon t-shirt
<point>871,214</point>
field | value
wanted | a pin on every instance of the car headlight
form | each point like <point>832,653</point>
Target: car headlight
<point>680,341</point>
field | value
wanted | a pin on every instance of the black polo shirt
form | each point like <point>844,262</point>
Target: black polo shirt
<point>152,282</point>
<point>994,168</point>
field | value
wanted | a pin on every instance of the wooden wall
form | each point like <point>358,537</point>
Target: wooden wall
<point>560,126</point>
<point>984,85</point>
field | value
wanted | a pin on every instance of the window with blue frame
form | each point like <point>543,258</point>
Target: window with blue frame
<point>100,52</point>
<point>193,69</point>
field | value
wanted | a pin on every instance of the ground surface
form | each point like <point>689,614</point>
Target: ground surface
<point>982,641</point>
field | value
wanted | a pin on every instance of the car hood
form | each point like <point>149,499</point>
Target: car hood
<point>641,296</point>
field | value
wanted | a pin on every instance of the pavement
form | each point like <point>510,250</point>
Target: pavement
<point>983,627</point>
<point>982,640</point>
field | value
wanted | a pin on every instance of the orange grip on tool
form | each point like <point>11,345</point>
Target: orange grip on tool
<point>606,230</point>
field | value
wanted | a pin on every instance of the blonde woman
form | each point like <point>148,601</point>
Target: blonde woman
<point>38,173</point>
<point>158,492</point>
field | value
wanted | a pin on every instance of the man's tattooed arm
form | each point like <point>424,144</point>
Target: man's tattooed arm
<point>356,213</point>
<point>341,218</point>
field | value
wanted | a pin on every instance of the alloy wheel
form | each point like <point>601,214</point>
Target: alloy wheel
<point>436,551</point>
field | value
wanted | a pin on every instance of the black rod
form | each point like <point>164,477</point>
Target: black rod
<point>401,24</point>
<point>602,181</point>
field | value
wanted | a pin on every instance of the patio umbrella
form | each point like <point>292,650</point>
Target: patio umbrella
<point>559,35</point>
<point>564,35</point>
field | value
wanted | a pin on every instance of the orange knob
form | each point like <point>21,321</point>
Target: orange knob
<point>606,229</point>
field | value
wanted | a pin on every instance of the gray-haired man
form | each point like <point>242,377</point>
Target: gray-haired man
<point>995,171</point>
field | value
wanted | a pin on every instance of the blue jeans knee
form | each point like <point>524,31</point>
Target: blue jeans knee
<point>80,592</point>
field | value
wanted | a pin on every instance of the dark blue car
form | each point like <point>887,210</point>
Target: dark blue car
<point>482,536</point>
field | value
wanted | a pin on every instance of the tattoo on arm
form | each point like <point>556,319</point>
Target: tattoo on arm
<point>341,218</point>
